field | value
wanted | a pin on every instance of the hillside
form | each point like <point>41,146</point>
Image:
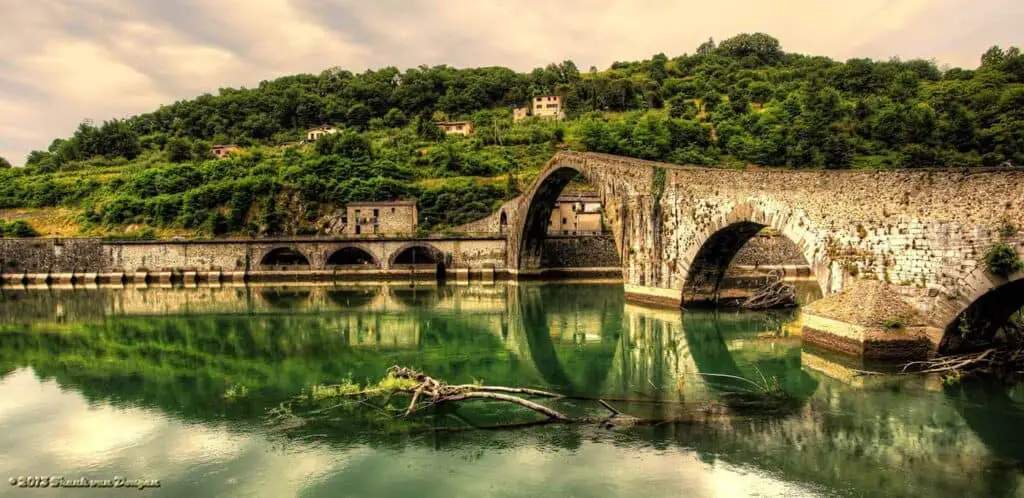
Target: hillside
<point>738,102</point>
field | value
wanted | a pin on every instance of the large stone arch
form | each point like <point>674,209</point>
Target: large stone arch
<point>715,244</point>
<point>614,179</point>
<point>283,256</point>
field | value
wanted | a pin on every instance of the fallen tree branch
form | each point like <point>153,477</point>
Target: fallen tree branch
<point>426,392</point>
<point>774,294</point>
<point>550,413</point>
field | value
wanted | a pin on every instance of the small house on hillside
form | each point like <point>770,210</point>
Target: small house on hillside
<point>314,134</point>
<point>456,127</point>
<point>222,151</point>
<point>548,106</point>
<point>520,113</point>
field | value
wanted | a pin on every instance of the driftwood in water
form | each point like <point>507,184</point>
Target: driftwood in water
<point>774,294</point>
<point>426,392</point>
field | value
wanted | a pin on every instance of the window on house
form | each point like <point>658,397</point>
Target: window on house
<point>376,213</point>
<point>564,221</point>
<point>357,214</point>
<point>358,229</point>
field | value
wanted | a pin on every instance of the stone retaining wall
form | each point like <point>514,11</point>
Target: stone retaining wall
<point>580,252</point>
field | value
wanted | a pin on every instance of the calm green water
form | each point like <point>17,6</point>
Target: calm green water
<point>132,382</point>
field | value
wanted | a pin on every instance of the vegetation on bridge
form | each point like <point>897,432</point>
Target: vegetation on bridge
<point>742,101</point>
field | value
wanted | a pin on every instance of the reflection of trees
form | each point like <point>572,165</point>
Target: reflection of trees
<point>185,364</point>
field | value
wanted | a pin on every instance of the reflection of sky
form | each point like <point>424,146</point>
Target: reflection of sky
<point>47,431</point>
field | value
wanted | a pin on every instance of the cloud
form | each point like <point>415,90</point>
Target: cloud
<point>62,61</point>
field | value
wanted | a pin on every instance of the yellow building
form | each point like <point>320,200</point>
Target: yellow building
<point>456,127</point>
<point>548,106</point>
<point>576,214</point>
<point>314,134</point>
<point>520,113</point>
<point>222,151</point>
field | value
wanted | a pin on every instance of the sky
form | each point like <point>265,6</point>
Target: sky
<point>62,61</point>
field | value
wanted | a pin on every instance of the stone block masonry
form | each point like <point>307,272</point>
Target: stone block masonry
<point>922,232</point>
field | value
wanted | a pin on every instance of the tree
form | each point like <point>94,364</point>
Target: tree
<point>766,49</point>
<point>395,118</point>
<point>711,100</point>
<point>178,150</point>
<point>4,163</point>
<point>837,152</point>
<point>706,48</point>
<point>358,116</point>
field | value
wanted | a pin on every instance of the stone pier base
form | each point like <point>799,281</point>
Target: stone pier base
<point>870,343</point>
<point>671,298</point>
<point>868,320</point>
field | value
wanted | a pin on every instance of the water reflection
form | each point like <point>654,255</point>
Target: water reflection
<point>155,365</point>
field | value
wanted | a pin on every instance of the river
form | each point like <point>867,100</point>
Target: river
<point>172,386</point>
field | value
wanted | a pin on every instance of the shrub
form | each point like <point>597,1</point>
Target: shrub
<point>1002,260</point>
<point>17,229</point>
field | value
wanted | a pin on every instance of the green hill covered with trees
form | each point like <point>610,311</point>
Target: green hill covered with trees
<point>741,101</point>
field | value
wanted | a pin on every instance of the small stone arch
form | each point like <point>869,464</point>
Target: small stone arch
<point>503,222</point>
<point>417,253</point>
<point>284,256</point>
<point>726,235</point>
<point>983,317</point>
<point>352,256</point>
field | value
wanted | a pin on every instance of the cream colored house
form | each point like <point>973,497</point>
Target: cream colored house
<point>548,106</point>
<point>456,127</point>
<point>520,113</point>
<point>222,151</point>
<point>362,218</point>
<point>314,134</point>
<point>576,214</point>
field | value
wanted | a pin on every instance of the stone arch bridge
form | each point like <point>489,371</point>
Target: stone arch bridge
<point>924,232</point>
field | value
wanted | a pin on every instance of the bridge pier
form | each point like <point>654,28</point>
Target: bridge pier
<point>669,298</point>
<point>869,320</point>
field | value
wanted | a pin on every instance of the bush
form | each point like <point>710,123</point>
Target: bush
<point>1002,260</point>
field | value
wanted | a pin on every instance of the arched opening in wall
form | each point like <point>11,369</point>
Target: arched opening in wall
<point>749,265</point>
<point>503,223</point>
<point>284,256</point>
<point>421,257</point>
<point>418,255</point>
<point>996,318</point>
<point>351,256</point>
<point>566,226</point>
